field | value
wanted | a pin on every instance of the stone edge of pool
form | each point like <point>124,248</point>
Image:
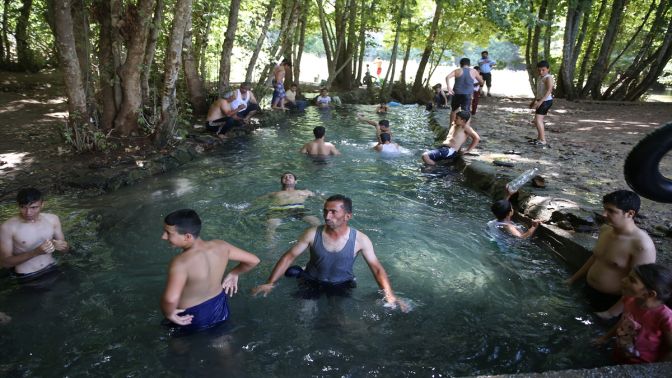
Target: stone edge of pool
<point>655,370</point>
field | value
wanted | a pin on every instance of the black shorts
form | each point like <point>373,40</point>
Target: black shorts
<point>598,300</point>
<point>487,77</point>
<point>544,107</point>
<point>462,101</point>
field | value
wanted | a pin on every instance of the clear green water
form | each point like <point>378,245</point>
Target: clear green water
<point>477,310</point>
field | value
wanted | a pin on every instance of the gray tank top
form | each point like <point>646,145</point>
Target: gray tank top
<point>464,84</point>
<point>332,267</point>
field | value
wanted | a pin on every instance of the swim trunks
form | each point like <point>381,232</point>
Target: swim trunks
<point>460,101</point>
<point>279,91</point>
<point>487,77</point>
<point>598,300</point>
<point>221,125</point>
<point>26,277</point>
<point>207,314</point>
<point>544,107</point>
<point>294,210</point>
<point>310,288</point>
<point>442,153</point>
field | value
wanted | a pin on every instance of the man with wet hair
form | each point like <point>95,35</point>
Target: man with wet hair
<point>457,136</point>
<point>319,147</point>
<point>196,296</point>
<point>382,126</point>
<point>503,211</point>
<point>620,246</point>
<point>465,76</point>
<point>28,240</point>
<point>333,250</point>
<point>289,203</point>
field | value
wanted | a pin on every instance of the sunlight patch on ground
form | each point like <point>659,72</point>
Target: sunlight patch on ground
<point>53,101</point>
<point>13,159</point>
<point>58,115</point>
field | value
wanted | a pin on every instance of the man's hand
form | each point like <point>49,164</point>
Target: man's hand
<point>394,302</point>
<point>450,92</point>
<point>230,284</point>
<point>46,248</point>
<point>60,245</point>
<point>180,319</point>
<point>240,107</point>
<point>262,289</point>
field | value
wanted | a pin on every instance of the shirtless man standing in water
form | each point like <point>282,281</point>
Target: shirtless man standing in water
<point>289,202</point>
<point>28,240</point>
<point>319,146</point>
<point>620,246</point>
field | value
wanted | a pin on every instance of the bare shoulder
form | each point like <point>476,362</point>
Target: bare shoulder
<point>643,240</point>
<point>362,239</point>
<point>218,246</point>
<point>9,224</point>
<point>52,218</point>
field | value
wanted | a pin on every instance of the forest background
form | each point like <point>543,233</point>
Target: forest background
<point>146,67</point>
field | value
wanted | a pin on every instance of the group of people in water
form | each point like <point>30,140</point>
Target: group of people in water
<point>622,279</point>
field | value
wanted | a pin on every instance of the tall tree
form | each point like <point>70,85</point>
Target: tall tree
<point>150,51</point>
<point>227,46</point>
<point>106,72</point>
<point>23,52</point>
<point>270,7</point>
<point>417,84</point>
<point>172,64</point>
<point>134,29</point>
<point>395,46</point>
<point>195,87</point>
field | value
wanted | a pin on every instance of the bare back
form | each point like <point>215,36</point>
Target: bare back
<point>319,147</point>
<point>218,109</point>
<point>290,197</point>
<point>205,268</point>
<point>19,237</point>
<point>457,136</point>
<point>615,255</point>
<point>279,74</point>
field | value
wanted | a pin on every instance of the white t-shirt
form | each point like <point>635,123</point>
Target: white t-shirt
<point>323,100</point>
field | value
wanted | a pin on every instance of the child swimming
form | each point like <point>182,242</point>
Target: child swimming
<point>644,332</point>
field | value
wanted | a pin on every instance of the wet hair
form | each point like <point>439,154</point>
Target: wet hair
<point>384,123</point>
<point>319,132</point>
<point>437,86</point>
<point>465,62</point>
<point>543,63</point>
<point>623,199</point>
<point>287,62</point>
<point>26,196</point>
<point>385,137</point>
<point>186,221</point>
<point>657,278</point>
<point>347,202</point>
<point>501,209</point>
<point>288,173</point>
<point>464,114</point>
<point>484,52</point>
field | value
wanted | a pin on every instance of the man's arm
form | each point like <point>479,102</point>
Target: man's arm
<point>8,259</point>
<point>451,74</point>
<point>581,272</point>
<point>59,239</point>
<point>304,149</point>
<point>247,261</point>
<point>252,98</point>
<point>285,261</point>
<point>333,150</point>
<point>177,279</point>
<point>376,267</point>
<point>474,137</point>
<point>644,252</point>
<point>513,230</point>
<point>445,98</point>
<point>370,122</point>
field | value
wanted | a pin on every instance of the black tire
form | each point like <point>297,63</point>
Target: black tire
<point>642,166</point>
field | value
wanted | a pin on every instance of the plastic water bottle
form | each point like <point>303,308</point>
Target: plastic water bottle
<point>519,181</point>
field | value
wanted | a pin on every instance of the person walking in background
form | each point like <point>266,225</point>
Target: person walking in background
<point>486,64</point>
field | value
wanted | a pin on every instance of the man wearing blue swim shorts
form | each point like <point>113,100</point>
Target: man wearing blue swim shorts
<point>333,250</point>
<point>279,87</point>
<point>196,297</point>
<point>457,136</point>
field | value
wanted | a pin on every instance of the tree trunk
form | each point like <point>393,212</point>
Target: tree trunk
<point>565,87</point>
<point>81,31</point>
<point>395,47</point>
<point>227,47</point>
<point>72,74</point>
<point>548,32</point>
<point>23,53</point>
<point>343,75</point>
<point>5,32</point>
<point>407,54</point>
<point>363,18</point>
<point>260,40</point>
<point>134,30</point>
<point>106,65</point>
<point>296,64</point>
<point>278,48</point>
<point>598,72</point>
<point>172,63</point>
<point>534,48</point>
<point>417,84</point>
<point>202,46</point>
<point>591,45</point>
<point>195,86</point>
<point>150,51</point>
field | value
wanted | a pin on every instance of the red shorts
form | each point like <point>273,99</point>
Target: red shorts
<point>379,70</point>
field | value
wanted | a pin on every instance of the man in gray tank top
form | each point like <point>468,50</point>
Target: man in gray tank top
<point>465,76</point>
<point>333,250</point>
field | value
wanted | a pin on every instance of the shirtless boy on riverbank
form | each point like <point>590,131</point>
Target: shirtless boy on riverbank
<point>620,246</point>
<point>289,202</point>
<point>319,146</point>
<point>28,240</point>
<point>457,136</point>
<point>196,297</point>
